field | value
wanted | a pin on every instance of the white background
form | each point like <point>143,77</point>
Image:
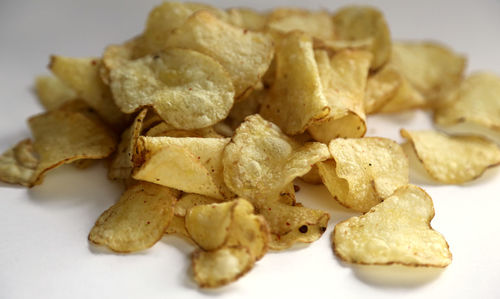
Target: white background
<point>44,251</point>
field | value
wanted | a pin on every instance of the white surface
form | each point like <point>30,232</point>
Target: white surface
<point>43,248</point>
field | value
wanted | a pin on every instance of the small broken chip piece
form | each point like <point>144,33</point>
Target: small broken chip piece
<point>396,231</point>
<point>137,221</point>
<point>18,164</point>
<point>364,171</point>
<point>453,159</point>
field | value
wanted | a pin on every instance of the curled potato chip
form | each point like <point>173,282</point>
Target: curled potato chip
<point>68,134</point>
<point>83,76</point>
<point>380,88</point>
<point>137,221</point>
<point>475,101</point>
<point>296,99</point>
<point>453,159</point>
<point>364,171</point>
<point>52,93</point>
<point>343,79</point>
<point>187,89</point>
<point>361,23</point>
<point>317,24</point>
<point>229,45</point>
<point>18,164</point>
<point>396,231</point>
<point>261,161</point>
<point>188,164</point>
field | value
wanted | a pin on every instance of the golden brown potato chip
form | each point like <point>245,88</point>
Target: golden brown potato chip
<point>122,163</point>
<point>188,164</point>
<point>364,171</point>
<point>343,79</point>
<point>317,24</point>
<point>69,134</point>
<point>245,55</point>
<point>83,76</point>
<point>137,221</point>
<point>396,231</point>
<point>360,23</point>
<point>296,99</point>
<point>475,101</point>
<point>18,164</point>
<point>52,93</point>
<point>187,89</point>
<point>380,88</point>
<point>247,18</point>
<point>453,159</point>
<point>261,161</point>
<point>177,226</point>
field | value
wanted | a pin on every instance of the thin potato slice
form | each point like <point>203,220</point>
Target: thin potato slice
<point>188,164</point>
<point>361,23</point>
<point>18,164</point>
<point>187,89</point>
<point>261,161</point>
<point>475,101</point>
<point>343,79</point>
<point>137,221</point>
<point>396,231</point>
<point>453,159</point>
<point>68,134</point>
<point>364,171</point>
<point>380,88</point>
<point>244,54</point>
<point>296,99</point>
<point>52,93</point>
<point>317,24</point>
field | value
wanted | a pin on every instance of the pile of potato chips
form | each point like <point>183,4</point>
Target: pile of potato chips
<point>209,115</point>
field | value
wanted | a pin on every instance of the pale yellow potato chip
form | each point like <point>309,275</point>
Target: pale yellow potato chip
<point>396,231</point>
<point>453,159</point>
<point>343,79</point>
<point>380,88</point>
<point>406,97</point>
<point>177,226</point>
<point>52,93</point>
<point>189,164</point>
<point>245,54</point>
<point>122,163</point>
<point>296,99</point>
<point>137,221</point>
<point>287,195</point>
<point>18,164</point>
<point>261,161</point>
<point>187,89</point>
<point>364,171</point>
<point>475,101</point>
<point>361,23</point>
<point>83,76</point>
<point>312,177</point>
<point>164,129</point>
<point>248,18</point>
<point>68,134</point>
<point>317,24</point>
<point>189,200</point>
<point>115,55</point>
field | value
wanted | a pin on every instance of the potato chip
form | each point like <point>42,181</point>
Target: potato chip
<point>453,159</point>
<point>177,226</point>
<point>122,163</point>
<point>68,134</point>
<point>18,164</point>
<point>406,98</point>
<point>380,88</point>
<point>364,171</point>
<point>312,177</point>
<point>475,101</point>
<point>343,79</point>
<point>287,195</point>
<point>296,99</point>
<point>83,76</point>
<point>246,107</point>
<point>261,161</point>
<point>187,89</point>
<point>396,231</point>
<point>137,221</point>
<point>115,55</point>
<point>361,23</point>
<point>229,45</point>
<point>188,164</point>
<point>52,93</point>
<point>164,129</point>
<point>317,24</point>
<point>248,18</point>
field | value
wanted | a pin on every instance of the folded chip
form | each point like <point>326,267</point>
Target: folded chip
<point>296,99</point>
<point>364,171</point>
<point>189,164</point>
<point>453,159</point>
<point>396,231</point>
<point>261,161</point>
<point>343,80</point>
<point>317,24</point>
<point>137,221</point>
<point>18,164</point>
<point>52,93</point>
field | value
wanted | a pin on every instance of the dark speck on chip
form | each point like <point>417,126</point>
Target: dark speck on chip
<point>303,229</point>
